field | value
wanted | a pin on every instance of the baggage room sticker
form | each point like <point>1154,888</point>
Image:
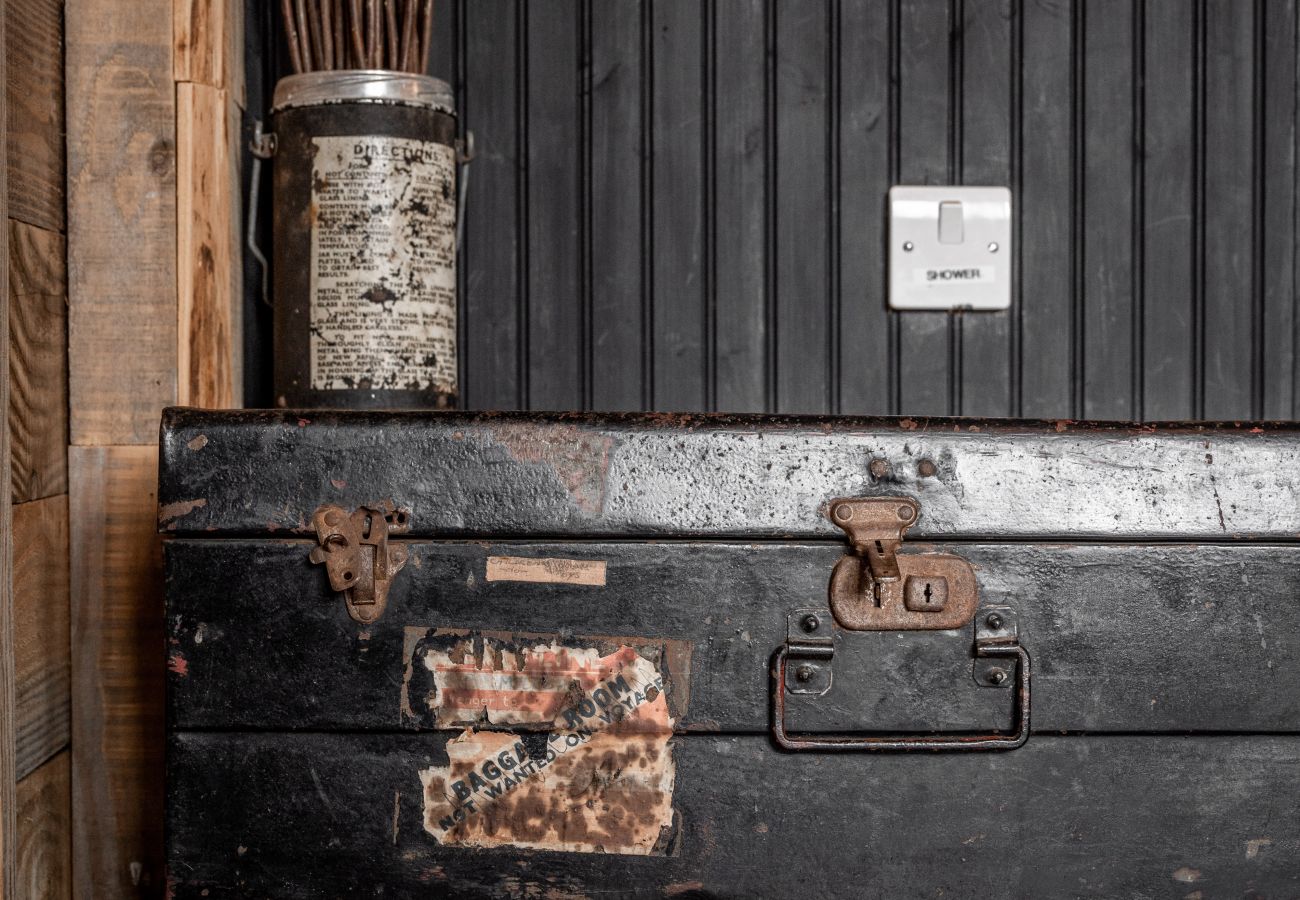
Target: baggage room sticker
<point>578,757</point>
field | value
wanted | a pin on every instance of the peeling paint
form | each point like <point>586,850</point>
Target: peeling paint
<point>1254,845</point>
<point>168,513</point>
<point>579,458</point>
<point>178,664</point>
<point>1187,874</point>
<point>198,443</point>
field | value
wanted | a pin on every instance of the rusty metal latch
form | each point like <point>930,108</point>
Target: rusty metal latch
<point>358,558</point>
<point>875,588</point>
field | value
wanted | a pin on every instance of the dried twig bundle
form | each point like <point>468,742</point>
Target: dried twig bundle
<point>359,34</point>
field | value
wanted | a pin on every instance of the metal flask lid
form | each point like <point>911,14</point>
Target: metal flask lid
<point>363,86</point>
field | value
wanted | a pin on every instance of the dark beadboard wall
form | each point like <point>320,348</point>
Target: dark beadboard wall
<point>679,205</point>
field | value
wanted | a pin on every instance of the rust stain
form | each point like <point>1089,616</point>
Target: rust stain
<point>683,887</point>
<point>178,664</point>
<point>168,513</point>
<point>579,458</point>
<point>198,443</point>
<point>600,779</point>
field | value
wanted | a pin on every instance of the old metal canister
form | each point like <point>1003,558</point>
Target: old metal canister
<point>365,211</point>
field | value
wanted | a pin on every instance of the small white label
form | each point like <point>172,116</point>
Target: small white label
<point>956,275</point>
<point>383,265</point>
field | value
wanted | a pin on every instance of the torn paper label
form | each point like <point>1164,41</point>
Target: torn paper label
<point>546,571</point>
<point>598,779</point>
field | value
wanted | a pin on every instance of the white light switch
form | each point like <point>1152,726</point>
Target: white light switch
<point>949,247</point>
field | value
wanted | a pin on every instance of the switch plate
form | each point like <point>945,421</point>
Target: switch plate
<point>949,247</point>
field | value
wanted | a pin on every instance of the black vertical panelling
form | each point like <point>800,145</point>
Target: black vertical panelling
<point>1278,213</point>
<point>680,371</point>
<point>802,235</point>
<point>1168,211</point>
<point>490,256</point>
<point>681,205</point>
<point>618,379</point>
<point>1107,238</point>
<point>863,181</point>
<point>738,199</point>
<point>924,127</point>
<point>1045,188</point>
<point>1231,305</point>
<point>554,255</point>
<point>986,52</point>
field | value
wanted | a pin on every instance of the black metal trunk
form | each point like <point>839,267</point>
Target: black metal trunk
<point>555,667</point>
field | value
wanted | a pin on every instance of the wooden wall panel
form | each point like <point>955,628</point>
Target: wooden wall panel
<point>8,723</point>
<point>38,362</point>
<point>44,852</point>
<point>41,648</point>
<point>117,701</point>
<point>209,279</point>
<point>121,219</point>
<point>706,228</point>
<point>34,82</point>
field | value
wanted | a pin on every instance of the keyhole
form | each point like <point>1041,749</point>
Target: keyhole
<point>927,593</point>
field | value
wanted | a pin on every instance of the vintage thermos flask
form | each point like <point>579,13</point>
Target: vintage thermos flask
<point>365,208</point>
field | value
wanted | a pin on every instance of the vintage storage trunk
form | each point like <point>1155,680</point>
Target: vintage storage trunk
<point>421,654</point>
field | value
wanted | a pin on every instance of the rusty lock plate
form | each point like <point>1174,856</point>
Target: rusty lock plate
<point>357,556</point>
<point>876,588</point>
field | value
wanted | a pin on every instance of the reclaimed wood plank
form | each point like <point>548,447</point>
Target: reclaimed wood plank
<point>121,218</point>
<point>209,283</point>
<point>1120,635</point>
<point>1062,816</point>
<point>34,85</point>
<point>1281,51</point>
<point>500,475</point>
<point>117,693</point>
<point>38,362</point>
<point>44,864</point>
<point>8,723</point>
<point>208,46</point>
<point>42,655</point>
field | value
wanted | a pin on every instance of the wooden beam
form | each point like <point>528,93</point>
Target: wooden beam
<point>44,853</point>
<point>34,83</point>
<point>209,44</point>
<point>117,675</point>
<point>38,362</point>
<point>209,282</point>
<point>121,219</point>
<point>8,885</point>
<point>41,650</point>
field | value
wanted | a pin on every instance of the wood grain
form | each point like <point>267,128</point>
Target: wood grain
<point>208,262</point>
<point>209,44</point>
<point>41,650</point>
<point>7,723</point>
<point>38,362</point>
<point>117,688</point>
<point>45,832</point>
<point>34,83</point>
<point>121,219</point>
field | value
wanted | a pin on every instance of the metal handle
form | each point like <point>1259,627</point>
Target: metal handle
<point>996,741</point>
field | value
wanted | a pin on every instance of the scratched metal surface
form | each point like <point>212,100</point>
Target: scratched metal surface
<point>316,815</point>
<point>589,475</point>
